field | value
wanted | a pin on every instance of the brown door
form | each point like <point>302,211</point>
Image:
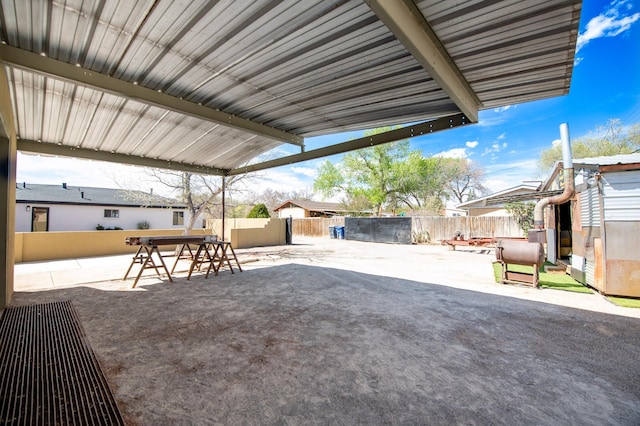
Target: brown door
<point>39,219</point>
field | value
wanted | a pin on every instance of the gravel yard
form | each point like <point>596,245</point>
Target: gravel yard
<point>344,332</point>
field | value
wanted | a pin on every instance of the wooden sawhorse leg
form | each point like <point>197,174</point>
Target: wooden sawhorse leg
<point>148,260</point>
<point>220,255</point>
<point>137,258</point>
<point>201,257</point>
<point>182,255</point>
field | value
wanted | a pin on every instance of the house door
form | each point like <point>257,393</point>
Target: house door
<point>39,219</point>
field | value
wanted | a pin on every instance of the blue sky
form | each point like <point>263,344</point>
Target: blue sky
<point>507,142</point>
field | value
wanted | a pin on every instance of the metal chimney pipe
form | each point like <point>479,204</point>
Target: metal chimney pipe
<point>569,183</point>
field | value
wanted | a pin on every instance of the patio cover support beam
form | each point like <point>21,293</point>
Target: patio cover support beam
<point>8,156</point>
<point>78,75</point>
<point>408,24</point>
<point>90,154</point>
<point>411,131</point>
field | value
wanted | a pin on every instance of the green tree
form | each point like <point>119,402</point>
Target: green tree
<point>609,139</point>
<point>330,179</point>
<point>421,184</point>
<point>259,211</point>
<point>393,176</point>
<point>523,213</point>
<point>371,173</point>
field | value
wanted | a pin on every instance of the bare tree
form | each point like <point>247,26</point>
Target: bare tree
<point>465,179</point>
<point>199,193</point>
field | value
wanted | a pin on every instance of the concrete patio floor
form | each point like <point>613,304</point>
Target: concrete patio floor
<point>344,332</point>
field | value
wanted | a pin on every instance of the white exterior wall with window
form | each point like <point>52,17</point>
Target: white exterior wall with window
<point>66,217</point>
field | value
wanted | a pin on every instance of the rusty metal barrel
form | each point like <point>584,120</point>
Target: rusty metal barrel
<point>519,252</point>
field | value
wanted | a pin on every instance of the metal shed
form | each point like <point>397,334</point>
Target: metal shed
<point>208,86</point>
<point>598,228</point>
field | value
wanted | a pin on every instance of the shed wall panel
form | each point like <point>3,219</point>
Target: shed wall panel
<point>622,258</point>
<point>621,194</point>
<point>589,207</point>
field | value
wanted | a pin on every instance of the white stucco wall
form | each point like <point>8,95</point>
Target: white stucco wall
<point>294,212</point>
<point>86,218</point>
<point>488,212</point>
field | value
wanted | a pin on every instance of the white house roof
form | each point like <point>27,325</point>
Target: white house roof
<point>609,160</point>
<point>624,161</point>
<point>67,194</point>
<point>208,86</point>
<point>487,200</point>
<point>317,206</point>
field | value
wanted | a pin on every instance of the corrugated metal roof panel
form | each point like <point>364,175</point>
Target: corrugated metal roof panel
<point>610,160</point>
<point>307,68</point>
<point>494,42</point>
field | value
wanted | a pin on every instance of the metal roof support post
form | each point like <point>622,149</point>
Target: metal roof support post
<point>8,158</point>
<point>224,190</point>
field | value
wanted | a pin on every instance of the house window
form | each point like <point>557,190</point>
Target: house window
<point>178,218</point>
<point>109,213</point>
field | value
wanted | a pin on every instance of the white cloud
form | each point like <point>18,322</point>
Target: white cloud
<point>503,108</point>
<point>507,175</point>
<point>453,153</point>
<point>281,179</point>
<point>306,171</point>
<point>471,144</point>
<point>496,116</point>
<point>495,147</point>
<point>502,136</point>
<point>610,23</point>
<point>79,172</point>
<point>556,142</point>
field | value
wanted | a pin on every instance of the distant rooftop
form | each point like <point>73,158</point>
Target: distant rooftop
<point>316,206</point>
<point>86,195</point>
<point>610,160</point>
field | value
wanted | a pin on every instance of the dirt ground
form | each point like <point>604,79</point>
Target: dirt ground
<point>343,332</point>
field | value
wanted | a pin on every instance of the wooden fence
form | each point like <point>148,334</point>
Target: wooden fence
<point>315,226</point>
<point>425,228</point>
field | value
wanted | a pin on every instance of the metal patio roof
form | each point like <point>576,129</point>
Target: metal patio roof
<point>209,85</point>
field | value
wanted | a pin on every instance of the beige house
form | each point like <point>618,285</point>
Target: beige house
<point>299,209</point>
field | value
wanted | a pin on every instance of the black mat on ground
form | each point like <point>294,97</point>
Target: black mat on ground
<point>48,371</point>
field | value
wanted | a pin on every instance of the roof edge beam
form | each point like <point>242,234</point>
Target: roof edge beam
<point>90,154</point>
<point>408,24</point>
<point>410,131</point>
<point>76,74</point>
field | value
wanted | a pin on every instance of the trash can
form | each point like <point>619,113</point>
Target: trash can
<point>332,232</point>
<point>340,232</point>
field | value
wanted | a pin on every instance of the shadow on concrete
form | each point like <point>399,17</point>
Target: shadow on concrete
<point>299,344</point>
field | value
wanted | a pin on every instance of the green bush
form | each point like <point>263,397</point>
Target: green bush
<point>523,213</point>
<point>143,225</point>
<point>259,211</point>
<point>99,228</point>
